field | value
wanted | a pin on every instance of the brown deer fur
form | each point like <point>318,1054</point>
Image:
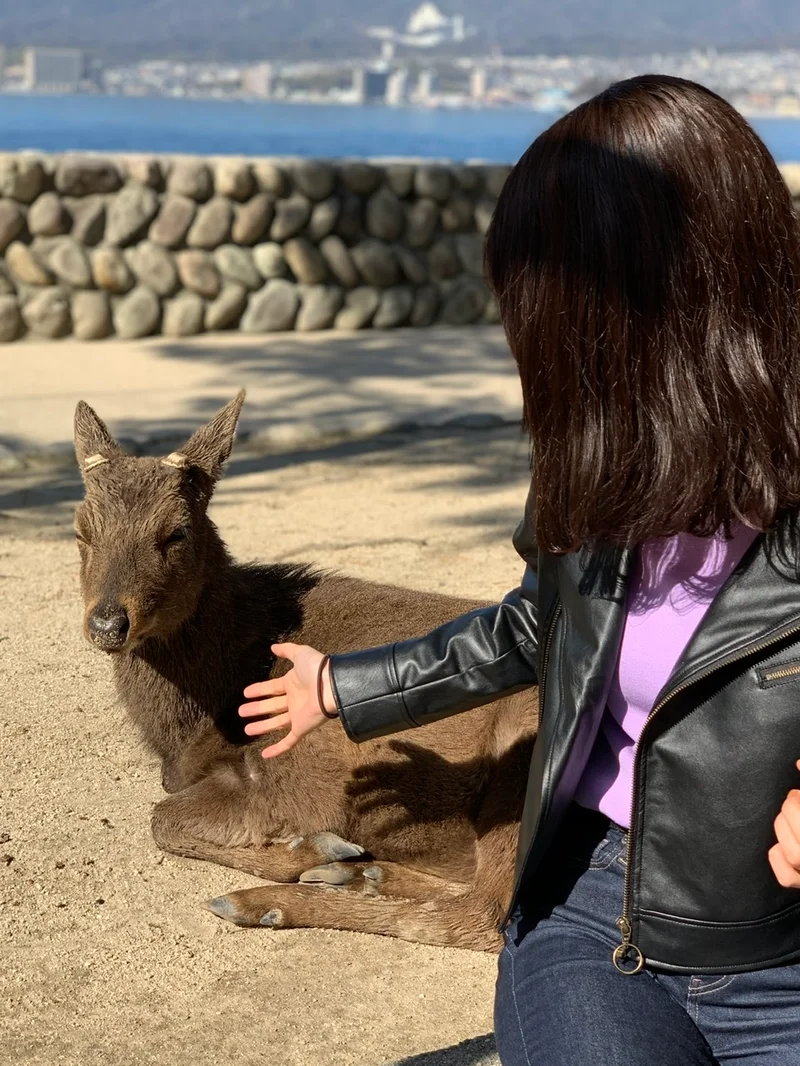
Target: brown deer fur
<point>412,836</point>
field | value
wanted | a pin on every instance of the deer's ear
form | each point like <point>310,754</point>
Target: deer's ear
<point>210,447</point>
<point>94,445</point>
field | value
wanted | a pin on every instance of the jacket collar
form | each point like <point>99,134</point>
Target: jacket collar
<point>758,602</point>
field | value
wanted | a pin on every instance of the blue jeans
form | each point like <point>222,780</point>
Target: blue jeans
<point>560,1002</point>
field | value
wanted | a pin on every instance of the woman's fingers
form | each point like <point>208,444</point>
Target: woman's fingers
<point>286,651</point>
<point>269,725</point>
<point>785,873</point>
<point>284,744</point>
<point>274,687</point>
<point>261,707</point>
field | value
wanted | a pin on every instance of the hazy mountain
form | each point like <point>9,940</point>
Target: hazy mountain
<point>242,29</point>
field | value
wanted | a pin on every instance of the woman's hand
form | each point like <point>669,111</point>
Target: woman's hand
<point>292,701</point>
<point>784,857</point>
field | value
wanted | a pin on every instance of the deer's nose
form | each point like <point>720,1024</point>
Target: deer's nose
<point>108,626</point>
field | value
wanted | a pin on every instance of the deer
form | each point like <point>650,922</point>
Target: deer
<point>411,837</point>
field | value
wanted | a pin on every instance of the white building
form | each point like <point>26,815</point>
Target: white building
<point>257,80</point>
<point>53,70</point>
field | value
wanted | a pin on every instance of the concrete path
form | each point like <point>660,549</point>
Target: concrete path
<point>303,390</point>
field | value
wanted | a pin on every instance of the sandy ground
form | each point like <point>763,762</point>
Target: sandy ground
<point>105,954</point>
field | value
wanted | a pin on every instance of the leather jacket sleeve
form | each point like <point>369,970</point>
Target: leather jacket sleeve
<point>474,659</point>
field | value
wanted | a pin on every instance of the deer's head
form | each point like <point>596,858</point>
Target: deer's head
<point>143,532</point>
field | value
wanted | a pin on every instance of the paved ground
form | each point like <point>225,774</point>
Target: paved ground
<point>303,390</point>
<point>106,955</point>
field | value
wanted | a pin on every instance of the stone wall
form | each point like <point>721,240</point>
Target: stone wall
<point>133,246</point>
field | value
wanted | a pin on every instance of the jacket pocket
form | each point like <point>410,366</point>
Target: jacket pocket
<point>779,674</point>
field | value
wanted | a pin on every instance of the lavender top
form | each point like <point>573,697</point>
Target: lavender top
<point>673,582</point>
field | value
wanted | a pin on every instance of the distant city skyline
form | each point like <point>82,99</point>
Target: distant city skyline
<point>757,82</point>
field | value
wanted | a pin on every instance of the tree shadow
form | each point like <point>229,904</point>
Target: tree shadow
<point>478,1051</point>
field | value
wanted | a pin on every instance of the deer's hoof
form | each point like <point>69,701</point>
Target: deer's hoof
<point>272,919</point>
<point>224,907</point>
<point>334,848</point>
<point>334,873</point>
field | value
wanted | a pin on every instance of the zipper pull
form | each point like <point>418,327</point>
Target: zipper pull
<point>627,958</point>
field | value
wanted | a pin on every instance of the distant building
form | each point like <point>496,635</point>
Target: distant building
<point>427,27</point>
<point>426,86</point>
<point>478,84</point>
<point>54,70</point>
<point>369,86</point>
<point>396,88</point>
<point>258,80</point>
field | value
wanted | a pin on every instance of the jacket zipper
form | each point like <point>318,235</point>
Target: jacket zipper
<point>627,952</point>
<point>787,671</point>
<point>546,653</point>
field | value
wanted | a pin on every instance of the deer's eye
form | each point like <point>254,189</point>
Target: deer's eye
<point>81,539</point>
<point>176,536</point>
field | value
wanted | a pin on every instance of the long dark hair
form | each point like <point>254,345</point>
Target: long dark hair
<point>646,258</point>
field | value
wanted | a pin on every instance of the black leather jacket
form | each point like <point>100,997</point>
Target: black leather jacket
<point>715,761</point>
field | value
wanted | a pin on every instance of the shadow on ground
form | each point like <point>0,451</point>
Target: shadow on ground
<point>480,1051</point>
<point>466,460</point>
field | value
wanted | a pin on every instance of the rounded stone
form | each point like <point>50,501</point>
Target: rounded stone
<point>190,178</point>
<point>466,303</point>
<point>458,215</point>
<point>7,286</point>
<point>491,314</point>
<point>253,219</point>
<point>47,313</point>
<point>12,223</point>
<point>270,177</point>
<point>469,248</point>
<point>334,252</point>
<point>88,219</point>
<point>138,314</point>
<point>314,178</point>
<point>384,215</point>
<point>291,215</point>
<point>359,307</point>
<point>47,216</point>
<point>26,266</point>
<point>22,177</point>
<point>324,217</point>
<point>443,261</point>
<point>110,271</point>
<point>234,178</point>
<point>433,181</point>
<point>70,264</point>
<point>11,325</point>
<point>83,175</point>
<point>236,264</point>
<point>197,272</point>
<point>212,224</point>
<point>184,315</point>
<point>270,261</point>
<point>144,170</point>
<point>484,210</point>
<point>227,309</point>
<point>173,221</point>
<point>271,309</point>
<point>376,263</point>
<point>350,224</point>
<point>91,315</point>
<point>394,308</point>
<point>468,178</point>
<point>422,221</point>
<point>305,261</point>
<point>153,266</point>
<point>400,178</point>
<point>495,178</point>
<point>361,178</point>
<point>319,307</point>
<point>411,264</point>
<point>129,214</point>
<point>791,175</point>
<point>426,306</point>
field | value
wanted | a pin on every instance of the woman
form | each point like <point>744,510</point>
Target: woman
<point>646,258</point>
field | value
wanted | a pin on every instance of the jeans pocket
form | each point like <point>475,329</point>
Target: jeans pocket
<point>604,853</point>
